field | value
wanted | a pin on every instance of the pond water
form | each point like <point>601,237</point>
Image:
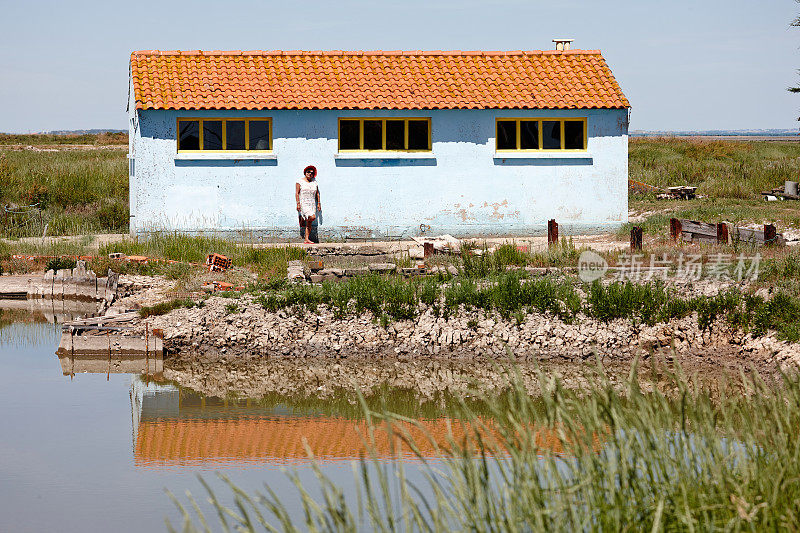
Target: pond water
<point>97,451</point>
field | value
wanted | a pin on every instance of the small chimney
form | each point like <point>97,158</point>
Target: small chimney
<point>563,44</point>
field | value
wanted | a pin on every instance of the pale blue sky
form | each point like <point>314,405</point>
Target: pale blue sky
<point>683,64</point>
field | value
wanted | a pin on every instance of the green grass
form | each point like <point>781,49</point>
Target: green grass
<point>723,169</point>
<point>516,294</point>
<point>614,461</point>
<point>165,307</point>
<point>270,262</point>
<point>74,191</point>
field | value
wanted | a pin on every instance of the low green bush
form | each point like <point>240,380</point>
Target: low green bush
<point>165,307</point>
<point>59,263</point>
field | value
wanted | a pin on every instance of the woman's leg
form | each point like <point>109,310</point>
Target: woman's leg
<point>308,220</point>
<point>302,225</point>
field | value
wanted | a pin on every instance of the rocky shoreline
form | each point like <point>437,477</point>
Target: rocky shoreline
<point>256,351</point>
<point>234,345</point>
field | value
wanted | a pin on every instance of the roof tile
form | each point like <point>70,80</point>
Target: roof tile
<point>334,79</point>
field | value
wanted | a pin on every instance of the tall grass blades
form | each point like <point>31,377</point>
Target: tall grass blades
<point>590,460</point>
<point>268,262</point>
<point>641,302</point>
<point>718,168</point>
<point>76,191</point>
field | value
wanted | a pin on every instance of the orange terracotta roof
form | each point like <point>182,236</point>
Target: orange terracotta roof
<point>573,79</point>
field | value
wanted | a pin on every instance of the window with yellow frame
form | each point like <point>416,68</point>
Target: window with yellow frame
<point>224,134</point>
<point>540,134</point>
<point>385,134</point>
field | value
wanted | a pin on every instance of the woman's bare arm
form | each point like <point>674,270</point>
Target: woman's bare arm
<point>319,204</point>
<point>297,194</point>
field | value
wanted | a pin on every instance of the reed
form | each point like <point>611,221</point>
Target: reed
<point>723,169</point>
<point>611,461</point>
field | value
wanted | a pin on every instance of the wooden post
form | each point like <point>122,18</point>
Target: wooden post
<point>71,352</point>
<point>675,228</point>
<point>636,238</point>
<point>108,337</point>
<point>427,250</point>
<point>552,232</point>
<point>770,235</point>
<point>722,233</point>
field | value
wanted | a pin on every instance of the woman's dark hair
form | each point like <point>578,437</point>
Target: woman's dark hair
<point>312,168</point>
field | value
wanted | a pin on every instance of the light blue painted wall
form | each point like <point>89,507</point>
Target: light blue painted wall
<point>462,190</point>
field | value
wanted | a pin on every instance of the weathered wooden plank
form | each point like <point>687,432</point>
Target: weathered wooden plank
<point>698,237</point>
<point>696,227</point>
<point>748,235</point>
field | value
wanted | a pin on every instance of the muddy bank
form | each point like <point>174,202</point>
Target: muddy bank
<point>235,345</point>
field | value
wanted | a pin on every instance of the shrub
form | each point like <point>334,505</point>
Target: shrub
<point>626,300</point>
<point>165,307</point>
<point>59,263</point>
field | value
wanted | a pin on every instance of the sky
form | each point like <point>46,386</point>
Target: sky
<point>683,64</point>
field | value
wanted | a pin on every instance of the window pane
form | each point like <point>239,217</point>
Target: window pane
<point>418,135</point>
<point>529,134</point>
<point>573,135</point>
<point>551,135</point>
<point>259,135</point>
<point>212,135</point>
<point>234,135</point>
<point>348,135</point>
<point>189,135</point>
<point>506,135</point>
<point>373,135</point>
<point>395,135</point>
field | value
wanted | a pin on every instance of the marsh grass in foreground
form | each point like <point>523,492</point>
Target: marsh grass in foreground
<point>611,461</point>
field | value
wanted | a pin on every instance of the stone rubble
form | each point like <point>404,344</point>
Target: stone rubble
<point>210,332</point>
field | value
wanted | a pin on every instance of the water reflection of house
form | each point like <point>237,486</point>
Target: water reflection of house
<point>176,427</point>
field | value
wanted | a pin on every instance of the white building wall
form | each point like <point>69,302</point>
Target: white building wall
<point>461,188</point>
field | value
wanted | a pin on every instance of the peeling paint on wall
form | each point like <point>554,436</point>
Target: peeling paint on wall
<point>459,189</point>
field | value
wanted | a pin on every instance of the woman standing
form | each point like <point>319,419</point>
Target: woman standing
<point>306,192</point>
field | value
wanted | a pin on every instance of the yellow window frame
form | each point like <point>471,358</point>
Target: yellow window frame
<point>383,120</point>
<point>224,120</point>
<point>539,121</point>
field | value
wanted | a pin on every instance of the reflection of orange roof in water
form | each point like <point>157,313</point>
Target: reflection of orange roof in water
<point>210,442</point>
